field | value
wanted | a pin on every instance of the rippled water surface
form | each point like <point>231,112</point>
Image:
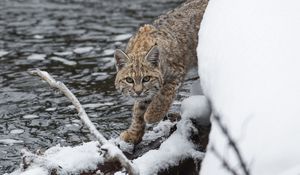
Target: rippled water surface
<point>74,40</point>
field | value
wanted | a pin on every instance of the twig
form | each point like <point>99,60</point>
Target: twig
<point>112,150</point>
<point>224,162</point>
<point>232,144</point>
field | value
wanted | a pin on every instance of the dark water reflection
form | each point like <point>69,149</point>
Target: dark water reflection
<point>38,34</point>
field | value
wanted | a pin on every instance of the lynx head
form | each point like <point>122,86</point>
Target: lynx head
<point>139,75</point>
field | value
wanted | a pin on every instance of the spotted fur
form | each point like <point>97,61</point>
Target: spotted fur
<point>155,63</point>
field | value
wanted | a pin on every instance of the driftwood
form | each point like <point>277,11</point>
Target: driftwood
<point>114,159</point>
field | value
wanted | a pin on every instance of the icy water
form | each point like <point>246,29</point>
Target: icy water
<point>73,40</point>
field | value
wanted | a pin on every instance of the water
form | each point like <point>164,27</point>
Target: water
<point>74,40</point>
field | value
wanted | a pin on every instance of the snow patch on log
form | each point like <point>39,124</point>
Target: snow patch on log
<point>75,159</point>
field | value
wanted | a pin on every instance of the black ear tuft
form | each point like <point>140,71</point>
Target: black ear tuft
<point>153,56</point>
<point>121,59</point>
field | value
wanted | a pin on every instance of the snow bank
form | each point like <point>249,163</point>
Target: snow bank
<point>249,64</point>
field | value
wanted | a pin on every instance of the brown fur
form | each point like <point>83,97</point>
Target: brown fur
<point>163,53</point>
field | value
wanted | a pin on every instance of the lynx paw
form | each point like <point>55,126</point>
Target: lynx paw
<point>132,137</point>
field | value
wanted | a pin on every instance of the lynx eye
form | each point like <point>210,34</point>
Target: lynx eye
<point>129,80</point>
<point>146,78</point>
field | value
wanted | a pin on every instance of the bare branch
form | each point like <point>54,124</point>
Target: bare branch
<point>113,151</point>
<point>81,112</point>
<point>224,162</point>
<point>232,144</point>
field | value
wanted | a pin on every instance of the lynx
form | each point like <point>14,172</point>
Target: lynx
<point>155,63</point>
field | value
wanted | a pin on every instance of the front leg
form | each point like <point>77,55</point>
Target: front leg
<point>161,103</point>
<point>135,132</point>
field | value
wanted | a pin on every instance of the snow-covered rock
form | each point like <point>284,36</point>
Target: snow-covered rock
<point>249,64</point>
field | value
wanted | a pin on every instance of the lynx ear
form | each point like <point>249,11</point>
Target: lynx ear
<point>153,56</point>
<point>121,59</point>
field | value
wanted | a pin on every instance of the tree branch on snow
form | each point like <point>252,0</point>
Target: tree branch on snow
<point>111,150</point>
<point>233,145</point>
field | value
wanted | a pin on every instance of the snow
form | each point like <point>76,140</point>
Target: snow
<point>51,109</point>
<point>31,171</point>
<point>82,50</point>
<point>64,61</point>
<point>38,36</point>
<point>16,131</point>
<point>249,67</point>
<point>175,149</point>
<point>74,159</point>
<point>66,53</point>
<point>161,130</point>
<point>120,173</point>
<point>70,159</point>
<point>124,146</point>
<point>93,105</point>
<point>10,141</point>
<point>30,116</point>
<point>122,37</point>
<point>37,57</point>
<point>190,109</point>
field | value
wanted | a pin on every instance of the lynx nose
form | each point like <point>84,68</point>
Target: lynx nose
<point>138,89</point>
<point>138,93</point>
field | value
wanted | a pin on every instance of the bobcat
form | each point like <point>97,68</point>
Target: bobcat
<point>155,63</point>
